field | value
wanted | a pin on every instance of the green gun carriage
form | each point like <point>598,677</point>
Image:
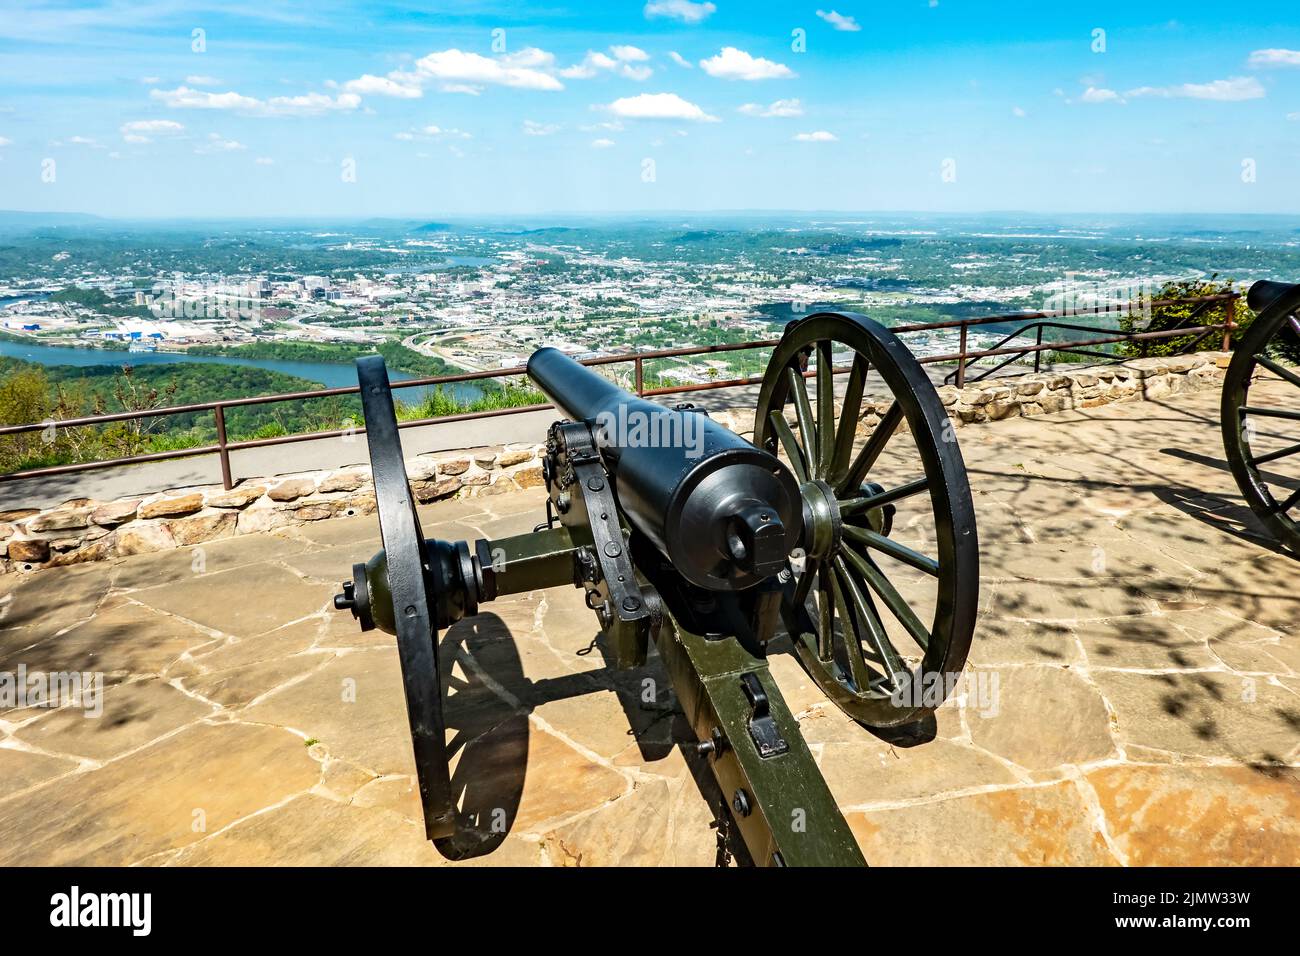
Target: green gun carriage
<point>843,532</point>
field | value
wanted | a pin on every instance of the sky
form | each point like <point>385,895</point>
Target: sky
<point>160,108</point>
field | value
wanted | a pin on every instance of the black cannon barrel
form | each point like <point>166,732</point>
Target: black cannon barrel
<point>725,513</point>
<point>1264,292</point>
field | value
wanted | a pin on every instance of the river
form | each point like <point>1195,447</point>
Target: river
<point>329,374</point>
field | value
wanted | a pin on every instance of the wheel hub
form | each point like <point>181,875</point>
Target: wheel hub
<point>821,519</point>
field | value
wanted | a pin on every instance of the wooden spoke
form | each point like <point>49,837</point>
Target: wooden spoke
<point>871,629</point>
<point>854,632</point>
<point>893,600</point>
<point>854,661</point>
<point>871,450</point>
<point>792,449</point>
<point>1275,455</point>
<point>892,548</point>
<point>803,413</point>
<point>804,584</point>
<point>848,426</point>
<point>825,408</point>
<point>1290,502</point>
<point>825,615</point>
<point>1288,413</point>
<point>1281,371</point>
<point>857,505</point>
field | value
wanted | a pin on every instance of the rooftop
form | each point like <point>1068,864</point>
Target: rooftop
<point>1145,637</point>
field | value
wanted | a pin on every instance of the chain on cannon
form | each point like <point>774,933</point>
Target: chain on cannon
<point>717,550</point>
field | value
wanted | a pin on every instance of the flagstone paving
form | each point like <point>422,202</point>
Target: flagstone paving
<point>1143,635</point>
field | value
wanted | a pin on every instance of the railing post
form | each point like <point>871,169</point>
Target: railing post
<point>1230,318</point>
<point>640,377</point>
<point>1038,354</point>
<point>223,452</point>
<point>961,359</point>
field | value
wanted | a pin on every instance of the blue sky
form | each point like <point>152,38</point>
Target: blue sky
<point>161,108</point>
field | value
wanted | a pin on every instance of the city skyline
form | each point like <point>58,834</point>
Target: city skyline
<point>178,110</point>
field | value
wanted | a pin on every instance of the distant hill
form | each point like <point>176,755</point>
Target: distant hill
<point>12,220</point>
<point>433,227</point>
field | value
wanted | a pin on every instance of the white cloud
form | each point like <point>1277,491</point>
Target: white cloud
<point>216,143</point>
<point>626,61</point>
<point>184,97</point>
<point>200,80</point>
<point>659,106</point>
<point>1293,117</point>
<point>84,141</point>
<point>382,86</point>
<point>5,141</point>
<point>152,126</point>
<point>680,60</point>
<point>149,80</point>
<point>839,21</point>
<point>533,128</point>
<point>527,69</point>
<point>734,64</point>
<point>439,131</point>
<point>629,54</point>
<point>780,108</point>
<point>1099,95</point>
<point>1268,58</point>
<point>142,131</point>
<point>1019,111</point>
<point>264,161</point>
<point>820,136</point>
<point>431,132</point>
<point>591,64</point>
<point>683,10</point>
<point>602,143</point>
<point>1229,90</point>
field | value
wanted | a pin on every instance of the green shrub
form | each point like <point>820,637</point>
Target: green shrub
<point>1167,317</point>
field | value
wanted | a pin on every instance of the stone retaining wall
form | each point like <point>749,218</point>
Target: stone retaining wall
<point>84,530</point>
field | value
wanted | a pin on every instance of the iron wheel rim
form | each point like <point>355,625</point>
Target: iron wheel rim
<point>921,413</point>
<point>408,584</point>
<point>1236,413</point>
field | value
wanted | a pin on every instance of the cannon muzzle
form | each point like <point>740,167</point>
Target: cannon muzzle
<point>1264,292</point>
<point>725,513</point>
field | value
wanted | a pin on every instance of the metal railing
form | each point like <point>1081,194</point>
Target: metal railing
<point>1037,322</point>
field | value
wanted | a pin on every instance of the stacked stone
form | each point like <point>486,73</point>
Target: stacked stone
<point>84,530</point>
<point>1143,379</point>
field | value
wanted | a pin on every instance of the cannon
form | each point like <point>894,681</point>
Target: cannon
<point>1260,437</point>
<point>844,531</point>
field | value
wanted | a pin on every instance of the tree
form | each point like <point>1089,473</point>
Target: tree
<point>1182,314</point>
<point>24,398</point>
<point>129,437</point>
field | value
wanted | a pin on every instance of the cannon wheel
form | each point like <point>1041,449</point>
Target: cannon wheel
<point>1240,419</point>
<point>856,664</point>
<point>407,563</point>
